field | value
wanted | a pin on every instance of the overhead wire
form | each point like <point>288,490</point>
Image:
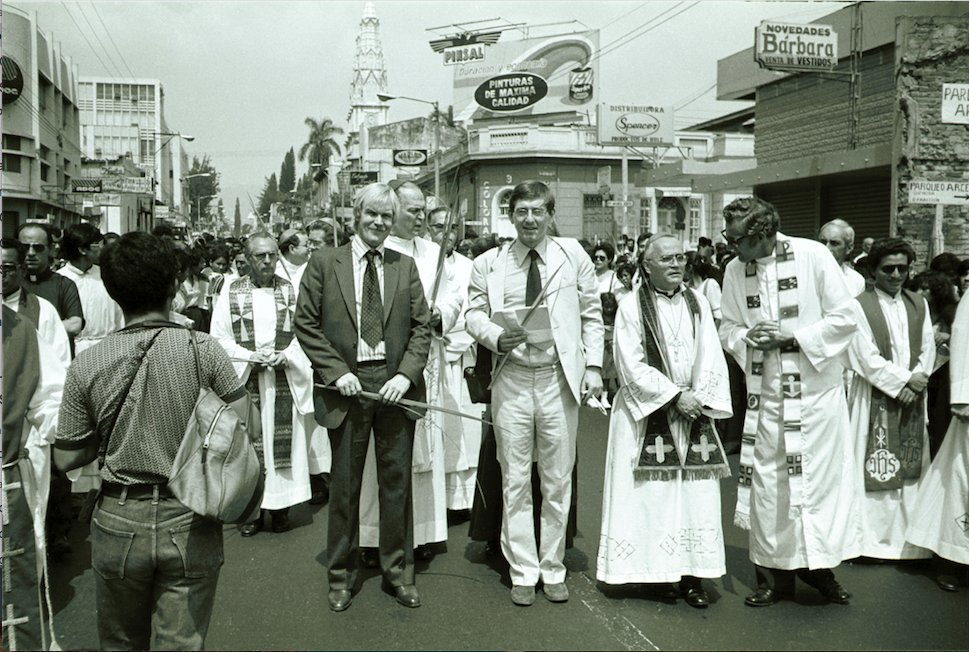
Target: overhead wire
<point>111,39</point>
<point>88,41</point>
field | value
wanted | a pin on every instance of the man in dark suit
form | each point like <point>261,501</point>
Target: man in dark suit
<point>363,322</point>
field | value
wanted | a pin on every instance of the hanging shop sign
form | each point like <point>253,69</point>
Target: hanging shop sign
<point>792,47</point>
<point>410,157</point>
<point>635,124</point>
<point>955,104</point>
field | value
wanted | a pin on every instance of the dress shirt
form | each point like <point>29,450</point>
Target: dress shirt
<point>897,318</point>
<point>359,249</point>
<point>516,278</point>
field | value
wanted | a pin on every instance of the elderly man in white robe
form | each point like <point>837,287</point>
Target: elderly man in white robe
<point>787,321</point>
<point>428,476</point>
<point>892,355</point>
<point>939,518</point>
<point>661,495</point>
<point>253,321</point>
<point>839,237</point>
<point>462,437</point>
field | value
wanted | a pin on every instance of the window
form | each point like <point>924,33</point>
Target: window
<point>597,219</point>
<point>44,171</point>
<point>695,216</point>
<point>11,163</point>
<point>645,215</point>
<point>11,142</point>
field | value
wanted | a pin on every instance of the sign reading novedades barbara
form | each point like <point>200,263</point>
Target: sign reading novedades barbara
<point>791,47</point>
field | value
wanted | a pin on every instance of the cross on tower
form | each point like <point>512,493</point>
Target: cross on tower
<point>704,448</point>
<point>659,449</point>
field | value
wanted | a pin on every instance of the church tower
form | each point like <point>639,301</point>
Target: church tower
<point>369,78</point>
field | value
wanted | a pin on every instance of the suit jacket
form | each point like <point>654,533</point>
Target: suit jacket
<point>572,298</point>
<point>326,325</point>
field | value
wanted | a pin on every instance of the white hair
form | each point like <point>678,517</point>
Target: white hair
<point>844,226</point>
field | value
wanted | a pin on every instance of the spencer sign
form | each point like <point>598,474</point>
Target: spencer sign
<point>635,124</point>
<point>788,46</point>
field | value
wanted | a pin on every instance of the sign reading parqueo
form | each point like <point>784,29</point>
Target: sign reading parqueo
<point>512,92</point>
<point>635,124</point>
<point>790,46</point>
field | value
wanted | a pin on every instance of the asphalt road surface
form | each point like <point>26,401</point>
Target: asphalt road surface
<point>272,595</point>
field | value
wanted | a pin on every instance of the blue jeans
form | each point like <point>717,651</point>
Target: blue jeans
<point>156,568</point>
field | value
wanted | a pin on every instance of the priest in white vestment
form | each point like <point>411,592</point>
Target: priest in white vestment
<point>940,517</point>
<point>462,437</point>
<point>839,237</point>
<point>253,321</point>
<point>661,493</point>
<point>428,477</point>
<point>787,321</point>
<point>892,355</point>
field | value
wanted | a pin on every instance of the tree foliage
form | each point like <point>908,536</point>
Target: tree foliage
<point>200,187</point>
<point>321,144</point>
<point>287,173</point>
<point>237,221</point>
<point>270,194</point>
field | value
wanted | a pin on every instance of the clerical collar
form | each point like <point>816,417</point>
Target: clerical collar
<point>670,294</point>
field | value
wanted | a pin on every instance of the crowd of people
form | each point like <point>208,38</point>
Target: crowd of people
<point>413,380</point>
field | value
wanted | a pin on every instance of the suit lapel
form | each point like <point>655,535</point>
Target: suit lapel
<point>391,279</point>
<point>343,267</point>
<point>496,279</point>
<point>556,261</point>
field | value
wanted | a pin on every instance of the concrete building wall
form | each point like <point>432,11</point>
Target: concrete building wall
<point>931,51</point>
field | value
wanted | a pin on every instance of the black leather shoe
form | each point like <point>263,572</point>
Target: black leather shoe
<point>369,558</point>
<point>836,593</point>
<point>762,598</point>
<point>947,583</point>
<point>280,520</point>
<point>340,599</point>
<point>493,548</point>
<point>251,528</point>
<point>320,487</point>
<point>408,596</point>
<point>697,597</point>
<point>423,553</point>
<point>662,590</point>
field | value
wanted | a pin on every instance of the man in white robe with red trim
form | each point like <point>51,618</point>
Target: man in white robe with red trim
<point>787,321</point>
<point>661,495</point>
<point>892,355</point>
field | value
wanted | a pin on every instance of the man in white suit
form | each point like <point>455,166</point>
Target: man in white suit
<point>544,375</point>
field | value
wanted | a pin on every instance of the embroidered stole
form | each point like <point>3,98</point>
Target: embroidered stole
<point>787,299</point>
<point>240,307</point>
<point>659,459</point>
<point>894,452</point>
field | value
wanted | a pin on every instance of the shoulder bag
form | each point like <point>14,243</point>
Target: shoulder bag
<point>217,472</point>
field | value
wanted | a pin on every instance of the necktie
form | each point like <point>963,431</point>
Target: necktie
<point>371,312</point>
<point>533,286</point>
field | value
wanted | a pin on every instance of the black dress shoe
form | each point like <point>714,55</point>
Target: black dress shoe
<point>251,528</point>
<point>947,583</point>
<point>836,593</point>
<point>493,548</point>
<point>697,597</point>
<point>320,487</point>
<point>369,558</point>
<point>762,598</point>
<point>408,596</point>
<point>280,520</point>
<point>662,590</point>
<point>340,599</point>
<point>424,553</point>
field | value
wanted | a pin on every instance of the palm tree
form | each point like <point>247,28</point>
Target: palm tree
<point>321,144</point>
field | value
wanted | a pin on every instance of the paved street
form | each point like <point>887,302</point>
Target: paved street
<point>272,595</point>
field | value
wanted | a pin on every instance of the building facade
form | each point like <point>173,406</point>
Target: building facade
<point>41,133</point>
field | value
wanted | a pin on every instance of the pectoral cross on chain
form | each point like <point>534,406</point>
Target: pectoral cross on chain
<point>704,448</point>
<point>678,350</point>
<point>659,449</point>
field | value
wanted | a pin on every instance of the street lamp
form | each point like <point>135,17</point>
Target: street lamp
<point>200,174</point>
<point>437,133</point>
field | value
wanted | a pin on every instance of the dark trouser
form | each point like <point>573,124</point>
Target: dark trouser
<point>731,430</point>
<point>59,515</point>
<point>156,567</point>
<point>782,581</point>
<point>393,434</point>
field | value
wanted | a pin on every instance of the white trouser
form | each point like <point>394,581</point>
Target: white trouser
<point>535,417</point>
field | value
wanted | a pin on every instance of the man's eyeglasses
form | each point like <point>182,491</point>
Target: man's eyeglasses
<point>891,269</point>
<point>34,246</point>
<point>9,268</point>
<point>599,258</point>
<point>735,241</point>
<point>670,259</point>
<point>535,212</point>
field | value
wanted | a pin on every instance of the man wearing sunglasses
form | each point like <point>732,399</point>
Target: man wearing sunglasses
<point>787,319</point>
<point>38,278</point>
<point>892,355</point>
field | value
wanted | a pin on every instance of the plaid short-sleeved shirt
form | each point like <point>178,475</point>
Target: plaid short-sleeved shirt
<point>155,413</point>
